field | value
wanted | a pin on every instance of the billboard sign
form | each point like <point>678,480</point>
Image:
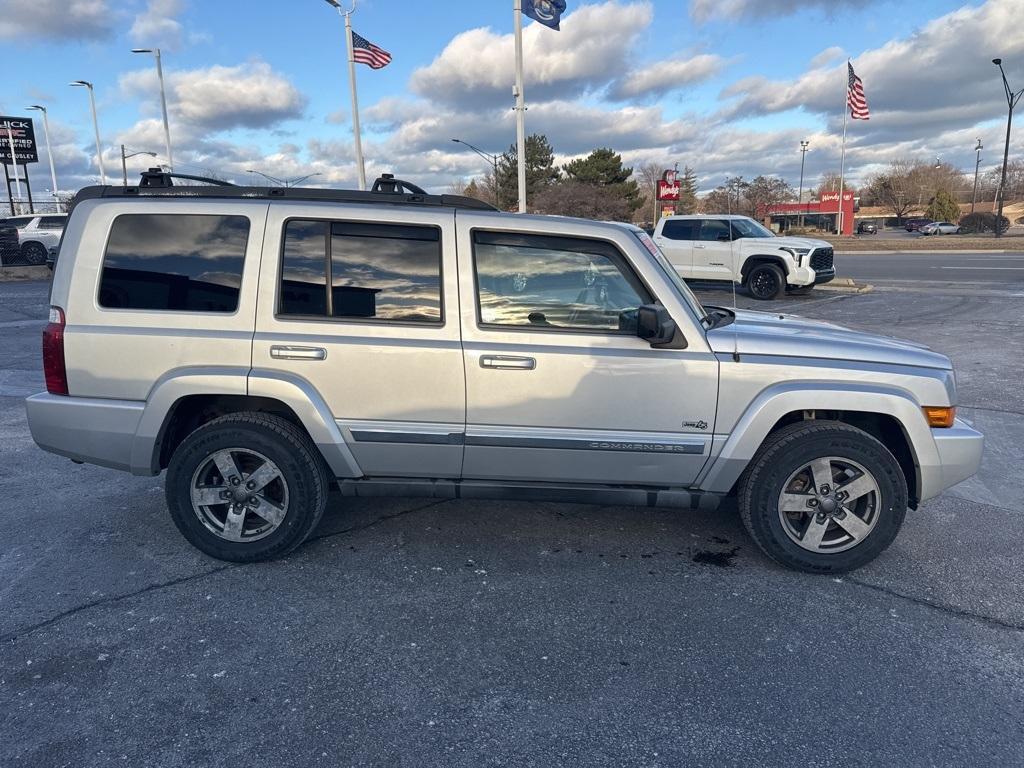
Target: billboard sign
<point>668,186</point>
<point>24,140</point>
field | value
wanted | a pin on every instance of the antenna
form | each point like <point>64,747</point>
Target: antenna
<point>732,281</point>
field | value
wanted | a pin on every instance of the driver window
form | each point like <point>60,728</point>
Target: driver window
<point>554,283</point>
<point>714,229</point>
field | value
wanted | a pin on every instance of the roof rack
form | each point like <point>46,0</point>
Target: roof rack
<point>386,190</point>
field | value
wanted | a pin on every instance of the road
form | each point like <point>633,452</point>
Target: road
<point>461,633</point>
<point>938,266</point>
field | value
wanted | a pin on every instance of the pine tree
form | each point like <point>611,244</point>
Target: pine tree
<point>540,171</point>
<point>603,168</point>
<point>687,192</point>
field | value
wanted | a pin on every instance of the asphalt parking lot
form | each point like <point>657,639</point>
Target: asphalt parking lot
<point>458,633</point>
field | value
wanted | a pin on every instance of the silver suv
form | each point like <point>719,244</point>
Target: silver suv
<point>263,345</point>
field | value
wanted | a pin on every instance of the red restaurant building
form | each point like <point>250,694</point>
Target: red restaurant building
<point>821,214</point>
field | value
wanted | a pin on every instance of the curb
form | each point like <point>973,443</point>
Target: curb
<point>845,285</point>
<point>14,274</point>
<point>923,252</point>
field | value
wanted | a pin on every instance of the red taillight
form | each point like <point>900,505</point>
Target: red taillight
<point>53,354</point>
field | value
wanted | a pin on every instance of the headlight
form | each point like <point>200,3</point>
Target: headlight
<point>796,253</point>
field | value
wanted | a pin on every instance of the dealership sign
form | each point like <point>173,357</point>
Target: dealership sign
<point>668,186</point>
<point>19,130</point>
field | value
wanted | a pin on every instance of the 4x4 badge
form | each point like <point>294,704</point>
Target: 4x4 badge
<point>696,424</point>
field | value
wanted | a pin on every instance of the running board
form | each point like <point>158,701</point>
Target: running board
<point>678,498</point>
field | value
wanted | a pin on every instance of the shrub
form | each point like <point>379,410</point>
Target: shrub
<point>978,222</point>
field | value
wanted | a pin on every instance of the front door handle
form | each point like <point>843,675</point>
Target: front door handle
<point>504,362</point>
<point>279,352</point>
<point>697,245</point>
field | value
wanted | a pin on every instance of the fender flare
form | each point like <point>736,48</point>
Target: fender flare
<point>776,401</point>
<point>776,259</point>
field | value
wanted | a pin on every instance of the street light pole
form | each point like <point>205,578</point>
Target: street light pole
<point>977,165</point>
<point>492,159</point>
<point>804,144</point>
<point>163,101</point>
<point>1011,101</point>
<point>49,152</point>
<point>95,126</point>
<point>124,164</point>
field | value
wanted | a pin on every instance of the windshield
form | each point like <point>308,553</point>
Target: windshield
<point>750,228</point>
<point>681,287</point>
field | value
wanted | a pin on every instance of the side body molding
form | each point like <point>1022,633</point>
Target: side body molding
<point>776,401</point>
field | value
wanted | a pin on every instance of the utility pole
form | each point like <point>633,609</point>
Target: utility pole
<point>804,144</point>
<point>1011,101</point>
<point>977,165</point>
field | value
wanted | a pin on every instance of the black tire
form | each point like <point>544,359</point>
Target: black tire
<point>784,453</point>
<point>302,471</point>
<point>33,253</point>
<point>766,282</point>
<point>799,290</point>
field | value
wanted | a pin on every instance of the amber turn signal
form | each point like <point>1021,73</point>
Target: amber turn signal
<point>940,415</point>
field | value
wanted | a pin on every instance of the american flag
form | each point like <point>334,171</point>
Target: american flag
<point>855,98</point>
<point>365,52</point>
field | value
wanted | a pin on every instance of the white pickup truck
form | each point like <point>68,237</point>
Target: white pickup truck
<point>737,248</point>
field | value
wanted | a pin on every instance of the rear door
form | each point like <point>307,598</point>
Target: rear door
<point>676,242</point>
<point>713,251</point>
<point>361,305</point>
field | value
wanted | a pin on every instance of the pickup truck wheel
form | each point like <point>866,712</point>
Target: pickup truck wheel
<point>823,497</point>
<point>33,253</point>
<point>246,487</point>
<point>766,282</point>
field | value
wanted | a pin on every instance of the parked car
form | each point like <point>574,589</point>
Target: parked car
<point>867,228</point>
<point>913,225</point>
<point>37,234</point>
<point>393,342</point>
<point>940,228</point>
<point>10,250</point>
<point>737,248</point>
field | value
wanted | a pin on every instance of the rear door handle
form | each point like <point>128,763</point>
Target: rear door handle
<point>508,363</point>
<point>298,353</point>
<point>699,246</point>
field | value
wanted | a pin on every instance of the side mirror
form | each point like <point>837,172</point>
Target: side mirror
<point>657,328</point>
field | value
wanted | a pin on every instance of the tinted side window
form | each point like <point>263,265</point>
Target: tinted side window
<point>52,222</point>
<point>177,262</point>
<point>552,283</point>
<point>677,229</point>
<point>714,229</point>
<point>375,271</point>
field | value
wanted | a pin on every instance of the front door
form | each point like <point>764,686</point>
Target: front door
<point>360,305</point>
<point>558,386</point>
<point>713,251</point>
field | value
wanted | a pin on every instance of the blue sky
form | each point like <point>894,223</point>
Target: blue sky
<point>727,86</point>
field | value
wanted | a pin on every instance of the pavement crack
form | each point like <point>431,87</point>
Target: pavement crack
<point>110,600</point>
<point>379,520</point>
<point>949,609</point>
<point>992,410</point>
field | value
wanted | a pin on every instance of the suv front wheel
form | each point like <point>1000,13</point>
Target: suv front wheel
<point>246,487</point>
<point>823,497</point>
<point>766,281</point>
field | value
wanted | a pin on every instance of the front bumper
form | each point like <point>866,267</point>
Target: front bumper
<point>959,450</point>
<point>804,275</point>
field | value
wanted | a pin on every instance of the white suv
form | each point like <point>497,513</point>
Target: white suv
<point>737,248</point>
<point>38,234</point>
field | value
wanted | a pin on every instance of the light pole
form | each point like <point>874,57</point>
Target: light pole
<point>49,152</point>
<point>95,126</point>
<point>804,144</point>
<point>492,159</point>
<point>124,164</point>
<point>1011,101</point>
<point>977,165</point>
<point>163,101</point>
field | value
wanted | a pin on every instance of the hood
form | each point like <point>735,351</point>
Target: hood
<point>792,242</point>
<point>765,333</point>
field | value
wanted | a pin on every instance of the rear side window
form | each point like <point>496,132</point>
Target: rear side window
<point>680,229</point>
<point>174,262</point>
<point>52,222</point>
<point>361,271</point>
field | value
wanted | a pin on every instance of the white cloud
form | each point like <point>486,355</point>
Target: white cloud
<point>156,26</point>
<point>669,75</point>
<point>25,20</point>
<point>827,56</point>
<point>705,10</point>
<point>477,67</point>
<point>218,98</point>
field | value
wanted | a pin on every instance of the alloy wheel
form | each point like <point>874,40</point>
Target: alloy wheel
<point>239,495</point>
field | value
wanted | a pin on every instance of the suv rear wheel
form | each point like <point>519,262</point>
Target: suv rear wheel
<point>33,253</point>
<point>246,487</point>
<point>766,281</point>
<point>823,497</point>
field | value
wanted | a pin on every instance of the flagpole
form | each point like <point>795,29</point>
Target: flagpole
<point>517,7</point>
<point>842,160</point>
<point>355,99</point>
